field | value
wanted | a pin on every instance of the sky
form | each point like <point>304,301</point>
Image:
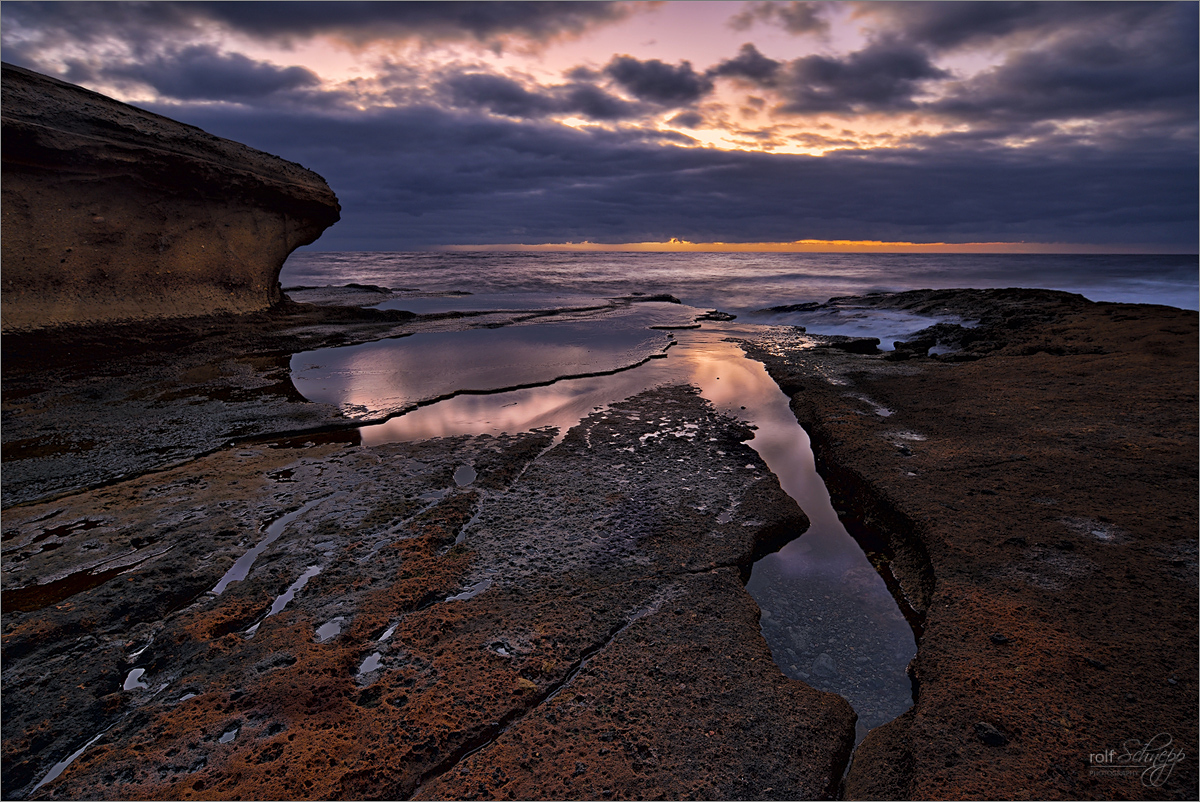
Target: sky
<point>1027,126</point>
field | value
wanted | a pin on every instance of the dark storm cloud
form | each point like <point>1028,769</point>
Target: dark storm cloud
<point>885,75</point>
<point>687,119</point>
<point>201,72</point>
<point>421,176</point>
<point>496,93</point>
<point>359,22</point>
<point>1037,86</point>
<point>949,25</point>
<point>1093,72</point>
<point>659,82</point>
<point>447,167</point>
<point>503,95</point>
<point>367,21</point>
<point>1119,64</point>
<point>749,64</point>
<point>796,17</point>
<point>592,101</point>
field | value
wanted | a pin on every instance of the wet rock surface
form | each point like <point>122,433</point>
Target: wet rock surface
<point>112,213</point>
<point>574,614</point>
<point>192,385</point>
<point>1037,493</point>
<point>93,405</point>
<point>503,617</point>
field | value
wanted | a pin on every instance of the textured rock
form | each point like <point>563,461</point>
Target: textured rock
<point>570,623</point>
<point>112,213</point>
<point>192,384</point>
<point>1042,517</point>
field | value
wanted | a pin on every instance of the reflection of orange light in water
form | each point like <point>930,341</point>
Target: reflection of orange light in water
<point>390,375</point>
<point>717,367</point>
<point>561,405</point>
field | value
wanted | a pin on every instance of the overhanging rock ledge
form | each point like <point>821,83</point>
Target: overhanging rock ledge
<point>112,213</point>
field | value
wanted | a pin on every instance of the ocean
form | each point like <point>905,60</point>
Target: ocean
<point>743,282</point>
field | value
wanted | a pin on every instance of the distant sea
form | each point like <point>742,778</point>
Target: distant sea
<point>743,282</point>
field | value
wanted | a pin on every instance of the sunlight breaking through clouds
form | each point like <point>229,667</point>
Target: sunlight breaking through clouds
<point>1013,99</point>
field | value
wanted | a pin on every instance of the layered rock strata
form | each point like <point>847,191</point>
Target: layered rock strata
<point>111,213</point>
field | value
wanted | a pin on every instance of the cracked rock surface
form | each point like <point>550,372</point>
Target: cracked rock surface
<point>571,620</point>
<point>1038,491</point>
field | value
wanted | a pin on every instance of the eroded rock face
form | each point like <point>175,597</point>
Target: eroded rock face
<point>111,213</point>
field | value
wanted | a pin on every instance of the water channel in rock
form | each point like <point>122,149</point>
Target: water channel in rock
<point>827,614</point>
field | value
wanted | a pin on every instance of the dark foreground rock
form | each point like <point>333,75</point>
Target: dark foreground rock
<point>565,623</point>
<point>568,620</point>
<point>91,405</point>
<point>113,213</point>
<point>1038,492</point>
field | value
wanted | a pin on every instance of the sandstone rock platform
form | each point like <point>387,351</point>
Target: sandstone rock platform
<point>568,623</point>
<point>1037,487</point>
<point>568,620</point>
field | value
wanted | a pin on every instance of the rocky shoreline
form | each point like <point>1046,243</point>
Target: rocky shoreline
<point>1038,490</point>
<point>569,620</point>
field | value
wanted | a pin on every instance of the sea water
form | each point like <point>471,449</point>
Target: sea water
<point>743,282</point>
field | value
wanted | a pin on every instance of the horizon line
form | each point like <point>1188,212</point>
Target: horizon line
<point>827,246</point>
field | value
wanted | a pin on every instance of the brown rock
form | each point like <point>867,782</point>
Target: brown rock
<point>571,623</point>
<point>111,213</point>
<point>1043,519</point>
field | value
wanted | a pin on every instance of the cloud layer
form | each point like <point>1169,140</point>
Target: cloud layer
<point>936,121</point>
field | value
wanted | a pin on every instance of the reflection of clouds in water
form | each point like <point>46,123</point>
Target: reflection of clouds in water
<point>560,405</point>
<point>387,376</point>
<point>727,378</point>
<point>821,582</point>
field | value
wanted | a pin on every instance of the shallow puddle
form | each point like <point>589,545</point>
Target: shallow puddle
<point>241,567</point>
<point>826,612</point>
<point>134,680</point>
<point>283,599</point>
<point>471,592</point>
<point>464,475</point>
<point>330,629</point>
<point>62,765</point>
<point>35,597</point>
<point>370,664</point>
<point>374,380</point>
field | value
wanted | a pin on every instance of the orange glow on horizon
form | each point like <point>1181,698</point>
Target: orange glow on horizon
<point>674,245</point>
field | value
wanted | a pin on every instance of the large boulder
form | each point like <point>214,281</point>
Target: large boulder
<point>111,213</point>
